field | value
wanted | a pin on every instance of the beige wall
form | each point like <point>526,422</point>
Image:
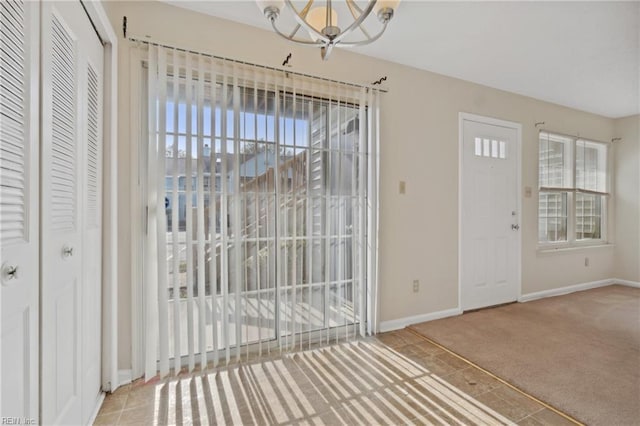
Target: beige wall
<point>419,125</point>
<point>627,196</point>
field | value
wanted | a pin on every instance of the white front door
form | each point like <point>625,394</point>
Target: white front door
<point>72,67</point>
<point>19,262</point>
<point>490,226</point>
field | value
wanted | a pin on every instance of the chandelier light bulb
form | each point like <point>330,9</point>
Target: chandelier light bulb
<point>384,9</point>
<point>319,20</point>
<point>270,8</point>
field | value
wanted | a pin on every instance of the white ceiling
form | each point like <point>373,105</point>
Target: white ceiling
<point>584,55</point>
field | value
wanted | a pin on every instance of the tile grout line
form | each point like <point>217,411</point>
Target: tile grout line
<point>555,410</point>
<point>530,415</point>
<point>123,405</point>
<point>542,408</point>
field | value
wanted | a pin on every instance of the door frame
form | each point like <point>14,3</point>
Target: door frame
<point>462,117</point>
<point>109,320</point>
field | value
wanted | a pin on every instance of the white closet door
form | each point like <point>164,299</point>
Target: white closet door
<point>19,209</point>
<point>91,123</point>
<point>70,272</point>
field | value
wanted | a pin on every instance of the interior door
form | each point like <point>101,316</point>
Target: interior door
<point>19,135</point>
<point>71,70</point>
<point>91,126</point>
<point>490,255</point>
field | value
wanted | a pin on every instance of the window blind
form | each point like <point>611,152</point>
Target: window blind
<point>262,210</point>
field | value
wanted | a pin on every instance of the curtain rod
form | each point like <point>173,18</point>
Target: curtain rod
<point>577,137</point>
<point>209,55</point>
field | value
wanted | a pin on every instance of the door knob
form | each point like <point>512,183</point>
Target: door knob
<point>515,227</point>
<point>9,272</point>
<point>67,251</point>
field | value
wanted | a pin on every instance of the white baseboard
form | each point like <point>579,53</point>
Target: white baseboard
<point>400,323</point>
<point>96,410</point>
<point>124,377</point>
<point>565,290</point>
<point>628,283</point>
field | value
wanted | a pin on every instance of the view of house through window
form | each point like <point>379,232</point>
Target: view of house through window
<point>280,228</point>
<point>573,189</point>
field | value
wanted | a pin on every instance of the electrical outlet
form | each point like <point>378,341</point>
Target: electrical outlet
<point>402,187</point>
<point>586,261</point>
<point>416,286</point>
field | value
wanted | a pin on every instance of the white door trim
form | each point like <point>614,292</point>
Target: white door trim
<point>462,117</point>
<point>98,16</point>
<point>137,134</point>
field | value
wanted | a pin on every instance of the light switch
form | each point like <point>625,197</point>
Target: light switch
<point>527,192</point>
<point>403,187</point>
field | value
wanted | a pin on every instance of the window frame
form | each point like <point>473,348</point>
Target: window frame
<point>571,191</point>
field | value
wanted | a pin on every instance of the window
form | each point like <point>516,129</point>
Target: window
<point>260,195</point>
<point>490,148</point>
<point>288,170</point>
<point>573,190</point>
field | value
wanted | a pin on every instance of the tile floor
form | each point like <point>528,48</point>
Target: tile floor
<point>394,378</point>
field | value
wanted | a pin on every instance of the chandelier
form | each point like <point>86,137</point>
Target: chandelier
<point>320,23</point>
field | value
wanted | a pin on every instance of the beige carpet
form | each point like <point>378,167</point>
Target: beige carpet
<point>579,352</point>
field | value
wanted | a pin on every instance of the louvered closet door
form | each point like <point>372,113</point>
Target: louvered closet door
<point>91,124</point>
<point>72,71</point>
<point>19,209</point>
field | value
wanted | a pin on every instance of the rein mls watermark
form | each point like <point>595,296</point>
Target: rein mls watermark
<point>17,421</point>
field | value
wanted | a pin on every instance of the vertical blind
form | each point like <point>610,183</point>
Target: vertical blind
<point>261,194</point>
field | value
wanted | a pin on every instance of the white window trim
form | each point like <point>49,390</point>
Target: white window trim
<point>572,242</point>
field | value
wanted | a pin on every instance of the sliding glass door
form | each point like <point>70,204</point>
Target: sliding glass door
<point>264,206</point>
